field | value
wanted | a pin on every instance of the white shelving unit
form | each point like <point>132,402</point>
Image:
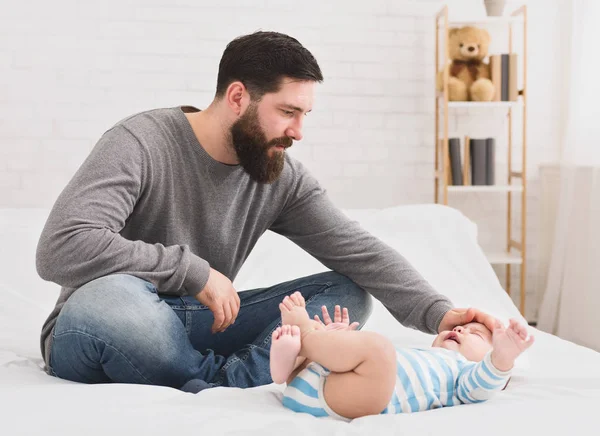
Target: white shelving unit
<point>515,252</point>
<point>503,258</point>
<point>492,188</point>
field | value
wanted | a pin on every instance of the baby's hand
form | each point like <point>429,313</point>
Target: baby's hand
<point>341,319</point>
<point>508,344</point>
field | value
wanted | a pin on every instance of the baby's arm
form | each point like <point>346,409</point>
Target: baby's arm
<point>478,382</point>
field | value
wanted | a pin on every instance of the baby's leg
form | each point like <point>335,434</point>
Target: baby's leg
<point>293,312</point>
<point>363,369</point>
<point>285,345</point>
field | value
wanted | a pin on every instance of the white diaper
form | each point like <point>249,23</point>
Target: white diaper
<point>305,393</point>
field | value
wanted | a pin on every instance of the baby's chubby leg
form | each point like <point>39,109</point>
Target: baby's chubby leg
<point>285,362</point>
<point>293,312</point>
<point>363,369</point>
<point>362,364</point>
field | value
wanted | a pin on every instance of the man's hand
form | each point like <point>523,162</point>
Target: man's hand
<point>456,317</point>
<point>221,298</point>
<point>508,344</point>
<point>341,320</point>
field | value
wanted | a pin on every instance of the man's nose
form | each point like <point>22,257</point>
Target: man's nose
<point>295,131</point>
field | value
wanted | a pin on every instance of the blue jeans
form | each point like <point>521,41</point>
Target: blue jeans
<point>119,329</point>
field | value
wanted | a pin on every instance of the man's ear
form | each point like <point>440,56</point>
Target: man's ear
<point>237,97</point>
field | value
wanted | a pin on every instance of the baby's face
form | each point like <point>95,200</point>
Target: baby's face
<point>472,340</point>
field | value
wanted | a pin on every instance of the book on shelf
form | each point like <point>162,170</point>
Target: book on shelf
<point>455,161</point>
<point>490,161</point>
<point>504,77</point>
<point>477,151</point>
<point>480,158</point>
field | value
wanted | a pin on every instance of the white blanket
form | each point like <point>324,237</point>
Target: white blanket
<point>553,389</point>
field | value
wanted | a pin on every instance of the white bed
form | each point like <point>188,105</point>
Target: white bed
<point>555,387</point>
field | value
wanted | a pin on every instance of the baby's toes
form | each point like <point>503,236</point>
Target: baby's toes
<point>287,302</point>
<point>301,299</point>
<point>294,298</point>
<point>298,299</point>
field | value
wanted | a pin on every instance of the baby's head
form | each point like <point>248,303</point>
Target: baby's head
<point>473,340</point>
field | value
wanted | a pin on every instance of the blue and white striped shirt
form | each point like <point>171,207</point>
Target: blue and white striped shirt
<point>435,377</point>
<point>425,379</point>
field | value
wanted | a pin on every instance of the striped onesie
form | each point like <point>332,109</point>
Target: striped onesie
<point>425,379</point>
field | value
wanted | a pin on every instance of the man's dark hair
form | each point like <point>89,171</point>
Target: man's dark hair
<point>261,59</point>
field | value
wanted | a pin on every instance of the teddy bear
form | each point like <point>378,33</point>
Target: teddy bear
<point>469,75</point>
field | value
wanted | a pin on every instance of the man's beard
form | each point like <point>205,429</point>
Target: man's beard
<point>252,148</point>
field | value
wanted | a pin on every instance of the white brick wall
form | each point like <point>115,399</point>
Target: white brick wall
<point>70,69</point>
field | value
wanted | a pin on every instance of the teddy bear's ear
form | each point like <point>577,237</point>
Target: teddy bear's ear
<point>453,31</point>
<point>486,36</point>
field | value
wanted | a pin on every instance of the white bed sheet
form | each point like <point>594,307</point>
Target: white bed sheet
<point>555,386</point>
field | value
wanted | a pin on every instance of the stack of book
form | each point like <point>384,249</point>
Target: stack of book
<point>503,72</point>
<point>481,161</point>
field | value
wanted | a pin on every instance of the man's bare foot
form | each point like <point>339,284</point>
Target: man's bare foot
<point>293,312</point>
<point>285,345</point>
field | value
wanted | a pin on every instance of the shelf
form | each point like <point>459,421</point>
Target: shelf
<point>486,188</point>
<point>483,104</point>
<point>483,21</point>
<point>480,104</point>
<point>504,258</point>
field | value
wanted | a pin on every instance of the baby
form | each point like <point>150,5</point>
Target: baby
<point>348,374</point>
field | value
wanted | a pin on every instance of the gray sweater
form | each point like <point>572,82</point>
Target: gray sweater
<point>150,201</point>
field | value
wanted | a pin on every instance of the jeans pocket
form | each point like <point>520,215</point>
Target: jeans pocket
<point>174,301</point>
<point>191,303</point>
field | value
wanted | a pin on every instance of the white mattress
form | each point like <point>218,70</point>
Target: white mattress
<point>553,390</point>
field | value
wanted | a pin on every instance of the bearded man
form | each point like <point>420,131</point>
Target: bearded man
<point>147,237</point>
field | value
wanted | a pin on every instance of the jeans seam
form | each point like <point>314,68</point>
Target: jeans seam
<point>108,345</point>
<point>188,322</point>
<point>284,291</point>
<point>271,333</point>
<point>49,364</point>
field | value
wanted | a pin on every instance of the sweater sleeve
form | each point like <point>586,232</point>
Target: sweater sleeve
<point>310,220</point>
<point>477,382</point>
<point>81,242</point>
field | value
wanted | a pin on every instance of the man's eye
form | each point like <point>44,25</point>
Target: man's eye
<point>288,113</point>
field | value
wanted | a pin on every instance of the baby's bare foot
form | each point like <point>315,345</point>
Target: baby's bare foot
<point>293,312</point>
<point>285,345</point>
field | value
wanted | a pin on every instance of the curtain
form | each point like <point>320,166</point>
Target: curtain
<point>570,304</point>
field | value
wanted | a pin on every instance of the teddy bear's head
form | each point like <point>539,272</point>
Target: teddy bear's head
<point>468,43</point>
